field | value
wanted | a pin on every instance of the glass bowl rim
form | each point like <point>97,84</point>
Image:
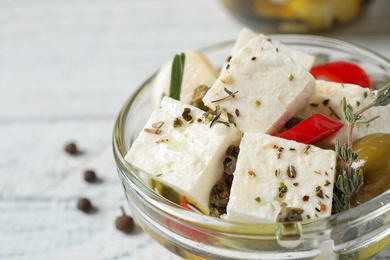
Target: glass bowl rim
<point>342,220</point>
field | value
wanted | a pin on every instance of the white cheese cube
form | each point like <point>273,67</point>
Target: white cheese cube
<point>268,87</point>
<point>304,59</point>
<point>189,157</point>
<point>272,172</point>
<point>327,100</point>
<point>198,70</point>
<point>243,38</point>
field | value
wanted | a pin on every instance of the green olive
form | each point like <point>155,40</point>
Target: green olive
<point>376,168</point>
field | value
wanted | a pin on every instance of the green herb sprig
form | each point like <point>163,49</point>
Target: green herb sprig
<point>349,179</point>
<point>177,72</point>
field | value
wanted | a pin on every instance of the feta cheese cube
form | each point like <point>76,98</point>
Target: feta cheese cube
<point>272,172</point>
<point>304,59</point>
<point>179,148</point>
<point>267,87</point>
<point>198,70</point>
<point>327,100</point>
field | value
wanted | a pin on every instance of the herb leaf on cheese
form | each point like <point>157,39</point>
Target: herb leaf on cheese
<point>177,76</point>
<point>349,179</point>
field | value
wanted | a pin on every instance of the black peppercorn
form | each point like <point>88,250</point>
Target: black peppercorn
<point>84,205</point>
<point>71,148</point>
<point>124,223</point>
<point>90,176</point>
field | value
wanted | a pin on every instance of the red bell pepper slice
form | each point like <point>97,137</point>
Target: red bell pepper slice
<point>313,129</point>
<point>342,72</point>
<point>184,203</point>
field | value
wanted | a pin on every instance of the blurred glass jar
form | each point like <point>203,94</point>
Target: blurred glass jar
<point>298,16</point>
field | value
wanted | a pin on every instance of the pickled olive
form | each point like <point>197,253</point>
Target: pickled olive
<point>375,162</point>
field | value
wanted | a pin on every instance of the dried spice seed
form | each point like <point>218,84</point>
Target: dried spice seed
<point>177,122</point>
<point>257,102</point>
<point>227,80</point>
<point>84,205</point>
<point>313,104</point>
<point>227,66</point>
<point>155,131</point>
<point>325,102</point>
<point>290,77</point>
<point>229,58</point>
<point>237,112</point>
<point>187,114</point>
<point>365,95</point>
<point>280,151</point>
<point>305,198</point>
<point>124,223</point>
<point>307,149</point>
<point>230,118</point>
<point>162,141</point>
<point>208,117</point>
<point>295,184</point>
<point>158,124</point>
<point>71,148</point>
<point>216,117</point>
<point>319,192</point>
<point>277,172</point>
<point>90,176</point>
<point>258,199</point>
<point>291,172</point>
<point>197,97</point>
<point>282,190</point>
<point>253,58</point>
<point>232,95</point>
<point>252,173</point>
<point>327,183</point>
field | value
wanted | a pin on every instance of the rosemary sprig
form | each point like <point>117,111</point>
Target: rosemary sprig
<point>349,179</point>
<point>177,72</point>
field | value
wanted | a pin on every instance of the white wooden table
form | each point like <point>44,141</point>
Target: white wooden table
<point>66,67</point>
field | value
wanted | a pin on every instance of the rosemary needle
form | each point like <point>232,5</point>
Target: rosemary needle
<point>177,72</point>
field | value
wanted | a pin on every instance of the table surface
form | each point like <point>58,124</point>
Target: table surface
<point>66,67</point>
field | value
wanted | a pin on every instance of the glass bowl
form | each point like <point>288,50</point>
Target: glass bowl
<point>356,234</point>
<point>296,16</point>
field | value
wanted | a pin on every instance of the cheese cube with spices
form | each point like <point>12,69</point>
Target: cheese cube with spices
<point>273,173</point>
<point>304,59</point>
<point>327,99</point>
<point>184,149</point>
<point>261,87</point>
